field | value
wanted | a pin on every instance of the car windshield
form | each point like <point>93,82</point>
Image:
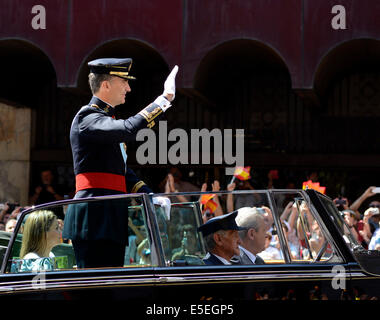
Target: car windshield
<point>286,229</point>
<point>338,217</point>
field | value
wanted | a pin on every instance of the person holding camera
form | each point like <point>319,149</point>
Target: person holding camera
<point>341,203</point>
<point>369,192</point>
<point>48,191</point>
<point>369,223</point>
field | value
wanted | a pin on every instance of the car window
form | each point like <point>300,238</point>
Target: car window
<point>178,223</point>
<point>338,218</point>
<point>306,238</point>
<point>24,258</point>
<point>185,212</point>
<point>61,257</point>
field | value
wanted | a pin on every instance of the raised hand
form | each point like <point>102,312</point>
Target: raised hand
<point>169,85</point>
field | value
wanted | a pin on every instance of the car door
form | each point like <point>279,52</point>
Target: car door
<point>26,279</point>
<point>364,265</point>
<point>306,270</point>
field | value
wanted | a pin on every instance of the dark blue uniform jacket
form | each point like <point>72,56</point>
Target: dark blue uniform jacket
<point>95,138</point>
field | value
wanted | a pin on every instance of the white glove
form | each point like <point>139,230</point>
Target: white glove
<point>169,85</point>
<point>169,88</point>
<point>164,203</point>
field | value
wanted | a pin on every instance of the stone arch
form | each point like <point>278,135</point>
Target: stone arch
<point>347,81</point>
<point>237,58</point>
<point>26,71</point>
<point>249,86</point>
<point>349,57</point>
<point>26,80</point>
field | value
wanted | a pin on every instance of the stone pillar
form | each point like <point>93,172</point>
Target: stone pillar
<point>15,133</point>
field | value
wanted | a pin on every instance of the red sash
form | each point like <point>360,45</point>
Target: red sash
<point>100,180</point>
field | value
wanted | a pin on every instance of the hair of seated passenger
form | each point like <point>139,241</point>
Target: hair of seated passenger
<point>36,226</point>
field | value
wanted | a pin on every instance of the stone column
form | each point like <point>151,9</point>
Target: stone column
<point>15,133</point>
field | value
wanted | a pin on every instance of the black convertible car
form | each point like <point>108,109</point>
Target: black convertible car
<point>310,254</point>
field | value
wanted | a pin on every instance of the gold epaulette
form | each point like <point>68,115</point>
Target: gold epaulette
<point>149,115</point>
<point>137,186</point>
<point>106,109</point>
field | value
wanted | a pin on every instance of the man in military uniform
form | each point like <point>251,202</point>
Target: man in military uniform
<point>99,230</point>
<point>221,240</point>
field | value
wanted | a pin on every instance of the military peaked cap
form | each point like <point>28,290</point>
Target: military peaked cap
<point>223,222</point>
<point>112,66</point>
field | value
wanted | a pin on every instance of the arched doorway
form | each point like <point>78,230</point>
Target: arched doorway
<point>347,82</point>
<point>26,70</point>
<point>27,89</point>
<point>249,84</point>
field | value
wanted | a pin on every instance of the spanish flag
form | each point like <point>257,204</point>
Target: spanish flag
<point>242,173</point>
<point>211,206</point>
<point>206,197</point>
<point>313,185</point>
<point>208,203</point>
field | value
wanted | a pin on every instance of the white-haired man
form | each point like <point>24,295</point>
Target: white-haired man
<point>252,238</point>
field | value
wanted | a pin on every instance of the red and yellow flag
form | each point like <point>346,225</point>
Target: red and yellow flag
<point>211,206</point>
<point>208,203</point>
<point>242,173</point>
<point>206,197</point>
<point>313,185</point>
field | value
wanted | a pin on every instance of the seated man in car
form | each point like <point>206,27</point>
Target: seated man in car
<point>252,236</point>
<point>221,239</point>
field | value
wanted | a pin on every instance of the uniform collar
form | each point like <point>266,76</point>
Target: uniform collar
<point>224,261</point>
<point>100,104</point>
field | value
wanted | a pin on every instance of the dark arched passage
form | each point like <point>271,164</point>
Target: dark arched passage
<point>235,61</point>
<point>249,85</point>
<point>26,72</point>
<point>351,57</point>
<point>347,82</point>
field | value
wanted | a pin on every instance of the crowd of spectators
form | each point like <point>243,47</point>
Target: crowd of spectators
<point>363,221</point>
<point>9,213</point>
<point>46,191</point>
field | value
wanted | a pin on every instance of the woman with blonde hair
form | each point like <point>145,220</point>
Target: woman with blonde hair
<point>41,233</point>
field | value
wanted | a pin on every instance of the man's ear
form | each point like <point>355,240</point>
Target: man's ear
<point>252,234</point>
<point>217,238</point>
<point>105,85</point>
